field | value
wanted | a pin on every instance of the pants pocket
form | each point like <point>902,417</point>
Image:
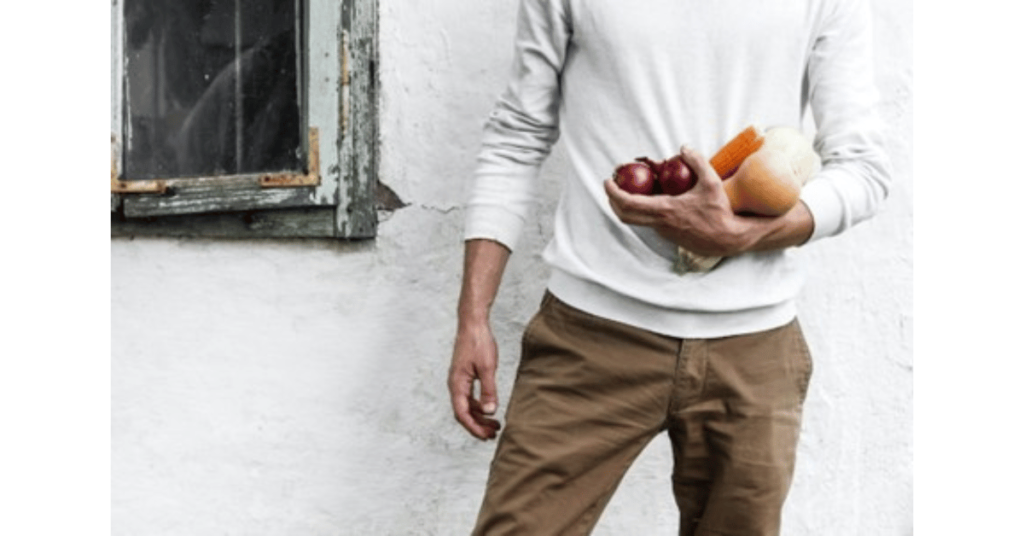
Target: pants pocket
<point>803,361</point>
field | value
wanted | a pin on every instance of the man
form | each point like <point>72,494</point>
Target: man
<point>623,347</point>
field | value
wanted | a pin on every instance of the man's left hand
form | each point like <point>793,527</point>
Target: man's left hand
<point>700,220</point>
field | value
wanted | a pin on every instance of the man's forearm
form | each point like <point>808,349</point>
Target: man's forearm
<point>791,229</point>
<point>483,266</point>
<point>475,356</point>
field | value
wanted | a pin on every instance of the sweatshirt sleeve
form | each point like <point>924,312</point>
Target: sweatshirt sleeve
<point>856,175</point>
<point>522,127</point>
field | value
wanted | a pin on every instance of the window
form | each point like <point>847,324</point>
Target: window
<point>236,118</point>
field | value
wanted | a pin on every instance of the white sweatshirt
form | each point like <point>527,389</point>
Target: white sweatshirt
<point>618,80</point>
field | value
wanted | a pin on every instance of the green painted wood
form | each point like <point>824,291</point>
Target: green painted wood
<point>286,223</point>
<point>357,217</point>
<point>217,195</point>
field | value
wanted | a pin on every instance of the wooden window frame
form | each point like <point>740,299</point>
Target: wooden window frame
<point>334,197</point>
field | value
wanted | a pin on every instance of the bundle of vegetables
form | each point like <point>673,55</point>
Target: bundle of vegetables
<point>763,173</point>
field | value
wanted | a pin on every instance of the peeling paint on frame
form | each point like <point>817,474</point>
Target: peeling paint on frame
<point>341,90</point>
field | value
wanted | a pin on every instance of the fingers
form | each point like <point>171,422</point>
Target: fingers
<point>488,391</point>
<point>460,390</point>
<point>469,412</point>
<point>707,177</point>
<point>482,410</point>
<point>484,420</point>
<point>635,209</point>
<point>472,417</point>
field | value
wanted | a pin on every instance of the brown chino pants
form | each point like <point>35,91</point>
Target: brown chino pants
<point>591,393</point>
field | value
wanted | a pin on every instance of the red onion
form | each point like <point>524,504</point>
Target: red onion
<point>675,177</point>
<point>647,177</point>
<point>636,178</point>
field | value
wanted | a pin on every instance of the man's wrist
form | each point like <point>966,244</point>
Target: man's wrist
<point>473,319</point>
<point>770,233</point>
<point>748,232</point>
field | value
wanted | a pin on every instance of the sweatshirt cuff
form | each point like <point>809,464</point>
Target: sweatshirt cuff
<point>493,223</point>
<point>825,206</point>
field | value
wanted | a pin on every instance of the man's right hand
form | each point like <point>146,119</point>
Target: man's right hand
<point>475,359</point>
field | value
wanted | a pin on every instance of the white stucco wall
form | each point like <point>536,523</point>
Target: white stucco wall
<point>298,387</point>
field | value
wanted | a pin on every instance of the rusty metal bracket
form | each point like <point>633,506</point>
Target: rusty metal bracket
<point>118,186</point>
<point>311,178</point>
<point>267,180</point>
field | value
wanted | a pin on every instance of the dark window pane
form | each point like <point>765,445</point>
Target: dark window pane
<point>212,87</point>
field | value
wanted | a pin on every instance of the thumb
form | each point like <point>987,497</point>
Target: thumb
<point>707,177</point>
<point>488,392</point>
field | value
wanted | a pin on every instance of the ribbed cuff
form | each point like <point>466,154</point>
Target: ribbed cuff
<point>493,223</point>
<point>825,206</point>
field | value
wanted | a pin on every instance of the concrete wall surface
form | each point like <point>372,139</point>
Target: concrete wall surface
<point>297,387</point>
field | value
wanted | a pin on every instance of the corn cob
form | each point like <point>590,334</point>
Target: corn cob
<point>728,159</point>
